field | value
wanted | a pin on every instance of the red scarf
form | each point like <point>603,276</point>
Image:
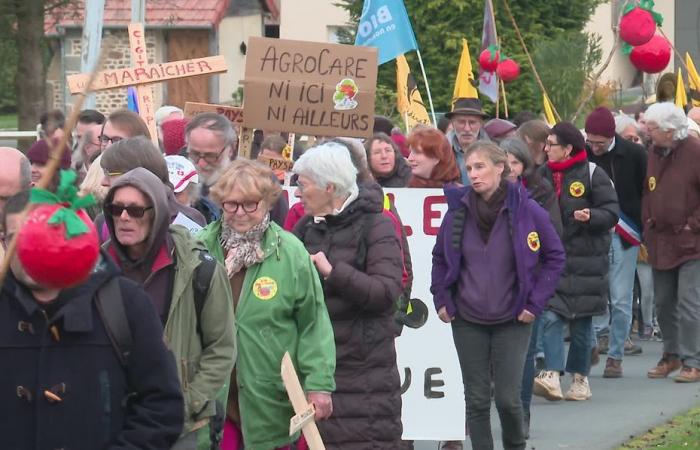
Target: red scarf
<point>558,168</point>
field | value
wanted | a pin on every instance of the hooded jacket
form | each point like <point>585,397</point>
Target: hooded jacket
<point>361,297</point>
<point>539,255</point>
<point>83,369</point>
<point>167,269</point>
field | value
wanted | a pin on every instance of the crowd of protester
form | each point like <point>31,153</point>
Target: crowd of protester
<point>215,277</point>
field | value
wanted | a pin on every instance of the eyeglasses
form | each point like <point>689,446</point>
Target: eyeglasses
<point>112,174</point>
<point>634,139</point>
<point>551,144</point>
<point>135,212</point>
<point>597,143</point>
<point>104,139</point>
<point>248,207</point>
<point>210,158</point>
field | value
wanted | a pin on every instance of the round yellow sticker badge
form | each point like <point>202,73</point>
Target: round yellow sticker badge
<point>577,189</point>
<point>533,241</point>
<point>652,183</point>
<point>265,288</point>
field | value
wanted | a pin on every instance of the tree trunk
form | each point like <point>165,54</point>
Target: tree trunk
<point>30,83</point>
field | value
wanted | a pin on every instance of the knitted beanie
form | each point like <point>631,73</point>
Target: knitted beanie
<point>601,122</point>
<point>38,153</point>
<point>173,135</point>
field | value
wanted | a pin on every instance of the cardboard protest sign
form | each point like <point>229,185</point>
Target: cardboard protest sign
<point>276,163</point>
<point>310,88</point>
<point>232,113</point>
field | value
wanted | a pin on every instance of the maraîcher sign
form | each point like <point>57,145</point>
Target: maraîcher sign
<point>310,87</point>
<point>153,73</point>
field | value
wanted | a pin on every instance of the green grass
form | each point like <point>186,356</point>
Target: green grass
<point>8,121</point>
<point>681,433</point>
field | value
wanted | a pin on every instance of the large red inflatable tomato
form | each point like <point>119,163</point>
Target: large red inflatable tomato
<point>637,26</point>
<point>58,244</point>
<point>508,70</point>
<point>488,59</point>
<point>652,57</point>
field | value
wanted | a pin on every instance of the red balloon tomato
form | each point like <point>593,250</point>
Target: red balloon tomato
<point>49,257</point>
<point>508,70</point>
<point>652,57</point>
<point>637,27</point>
<point>488,60</point>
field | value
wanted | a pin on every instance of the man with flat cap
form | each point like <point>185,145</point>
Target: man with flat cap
<point>467,117</point>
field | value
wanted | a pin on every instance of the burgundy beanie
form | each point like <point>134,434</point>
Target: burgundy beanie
<point>568,134</point>
<point>39,153</point>
<point>601,122</point>
<point>400,141</point>
<point>173,135</point>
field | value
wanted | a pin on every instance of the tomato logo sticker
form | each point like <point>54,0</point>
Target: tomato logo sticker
<point>577,189</point>
<point>533,241</point>
<point>265,288</point>
<point>652,183</point>
<point>345,92</point>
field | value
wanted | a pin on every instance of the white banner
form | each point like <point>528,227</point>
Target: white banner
<point>433,395</point>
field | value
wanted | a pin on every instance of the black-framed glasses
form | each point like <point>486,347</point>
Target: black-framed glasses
<point>104,139</point>
<point>597,143</point>
<point>233,207</point>
<point>133,211</point>
<point>552,144</point>
<point>210,158</point>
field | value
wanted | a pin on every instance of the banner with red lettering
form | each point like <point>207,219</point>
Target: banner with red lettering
<point>433,395</point>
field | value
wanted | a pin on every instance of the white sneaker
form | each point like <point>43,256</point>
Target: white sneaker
<point>580,389</point>
<point>547,385</point>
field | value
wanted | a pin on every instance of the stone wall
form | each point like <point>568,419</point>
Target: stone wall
<point>119,56</point>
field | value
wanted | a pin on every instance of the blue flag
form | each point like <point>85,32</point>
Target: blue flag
<point>384,24</point>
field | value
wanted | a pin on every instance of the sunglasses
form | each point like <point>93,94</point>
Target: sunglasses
<point>135,212</point>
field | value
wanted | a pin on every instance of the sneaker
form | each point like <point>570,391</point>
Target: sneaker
<point>688,375</point>
<point>452,445</point>
<point>631,348</point>
<point>595,356</point>
<point>613,368</point>
<point>647,333</point>
<point>547,385</point>
<point>666,365</point>
<point>579,390</point>
<point>603,344</point>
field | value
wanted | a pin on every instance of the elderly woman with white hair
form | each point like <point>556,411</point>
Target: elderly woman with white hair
<point>357,254</point>
<point>628,128</point>
<point>671,217</point>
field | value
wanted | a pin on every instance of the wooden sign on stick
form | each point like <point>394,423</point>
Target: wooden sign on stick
<point>144,92</point>
<point>232,113</point>
<point>304,411</point>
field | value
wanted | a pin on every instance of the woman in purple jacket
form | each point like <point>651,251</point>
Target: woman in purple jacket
<point>496,263</point>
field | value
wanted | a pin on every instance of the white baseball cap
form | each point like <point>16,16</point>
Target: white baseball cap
<point>181,172</point>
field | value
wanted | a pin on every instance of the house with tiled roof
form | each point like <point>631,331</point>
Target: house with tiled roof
<point>175,30</point>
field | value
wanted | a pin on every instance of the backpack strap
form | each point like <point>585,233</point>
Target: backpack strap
<point>110,306</point>
<point>201,280</point>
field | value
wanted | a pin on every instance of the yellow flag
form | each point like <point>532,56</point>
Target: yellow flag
<point>681,97</point>
<point>548,111</point>
<point>465,84</point>
<point>408,99</point>
<point>693,80</point>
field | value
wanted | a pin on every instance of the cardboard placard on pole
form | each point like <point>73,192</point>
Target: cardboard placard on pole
<point>232,113</point>
<point>245,142</point>
<point>310,88</point>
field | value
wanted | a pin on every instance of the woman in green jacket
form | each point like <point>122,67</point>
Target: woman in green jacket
<point>279,307</point>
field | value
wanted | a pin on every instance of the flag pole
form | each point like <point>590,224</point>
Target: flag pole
<point>505,100</point>
<point>427,88</point>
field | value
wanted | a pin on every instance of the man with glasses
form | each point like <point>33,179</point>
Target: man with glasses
<point>15,176</point>
<point>467,117</point>
<point>625,163</point>
<point>211,146</point>
<point>122,124</point>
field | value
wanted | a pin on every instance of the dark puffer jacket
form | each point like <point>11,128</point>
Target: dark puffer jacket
<point>360,295</point>
<point>583,288</point>
<point>399,177</point>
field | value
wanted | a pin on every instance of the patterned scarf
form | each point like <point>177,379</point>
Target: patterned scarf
<point>243,249</point>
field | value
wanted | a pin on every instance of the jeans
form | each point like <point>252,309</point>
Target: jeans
<point>677,295</point>
<point>529,371</point>
<point>579,358</point>
<point>646,284</point>
<point>502,347</point>
<point>617,321</point>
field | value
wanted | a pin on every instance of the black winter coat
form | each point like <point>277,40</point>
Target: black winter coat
<point>77,363</point>
<point>626,165</point>
<point>399,177</point>
<point>360,295</point>
<point>583,288</point>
